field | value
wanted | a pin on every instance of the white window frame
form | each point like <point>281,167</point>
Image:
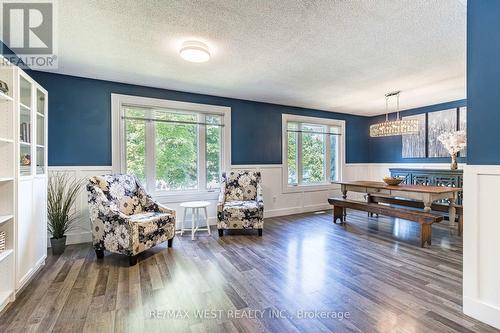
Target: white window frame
<point>119,146</point>
<point>285,119</point>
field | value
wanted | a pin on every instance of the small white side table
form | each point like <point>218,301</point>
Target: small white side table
<point>195,207</point>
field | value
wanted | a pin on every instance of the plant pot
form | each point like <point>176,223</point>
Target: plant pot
<point>454,164</point>
<point>58,245</point>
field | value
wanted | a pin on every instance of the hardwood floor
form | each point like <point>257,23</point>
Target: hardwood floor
<point>372,272</point>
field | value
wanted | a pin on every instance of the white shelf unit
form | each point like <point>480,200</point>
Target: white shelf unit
<point>24,107</point>
<point>23,180</point>
<point>5,254</point>
<point>7,183</point>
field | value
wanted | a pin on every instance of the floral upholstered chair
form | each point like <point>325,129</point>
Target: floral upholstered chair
<point>125,219</point>
<point>240,205</point>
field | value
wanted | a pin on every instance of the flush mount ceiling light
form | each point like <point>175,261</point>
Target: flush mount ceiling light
<point>393,127</point>
<point>194,51</point>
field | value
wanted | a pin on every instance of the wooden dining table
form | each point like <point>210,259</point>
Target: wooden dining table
<point>423,193</point>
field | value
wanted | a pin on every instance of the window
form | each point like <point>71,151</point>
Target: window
<point>172,147</point>
<point>312,150</point>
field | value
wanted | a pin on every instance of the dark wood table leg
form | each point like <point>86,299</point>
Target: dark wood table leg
<point>344,215</point>
<point>369,199</point>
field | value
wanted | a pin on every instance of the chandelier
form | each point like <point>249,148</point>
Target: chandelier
<point>393,127</point>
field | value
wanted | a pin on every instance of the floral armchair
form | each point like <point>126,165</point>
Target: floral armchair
<point>124,218</point>
<point>240,205</point>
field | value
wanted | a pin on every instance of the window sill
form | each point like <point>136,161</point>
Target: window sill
<point>310,188</point>
<point>173,197</point>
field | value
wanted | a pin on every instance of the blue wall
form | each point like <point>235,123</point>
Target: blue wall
<point>388,149</point>
<point>80,119</point>
<point>483,81</point>
<point>80,122</point>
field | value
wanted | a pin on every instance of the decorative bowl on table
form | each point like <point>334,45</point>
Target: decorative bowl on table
<point>393,181</point>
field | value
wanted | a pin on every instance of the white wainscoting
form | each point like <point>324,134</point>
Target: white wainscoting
<point>80,233</point>
<point>481,270</point>
<point>276,202</point>
<point>377,171</point>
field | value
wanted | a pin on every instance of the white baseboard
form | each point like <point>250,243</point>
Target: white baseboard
<point>31,273</point>
<point>484,312</point>
<point>10,298</point>
<point>295,210</point>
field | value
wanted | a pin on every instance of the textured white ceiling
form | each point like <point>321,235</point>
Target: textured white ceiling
<point>332,55</point>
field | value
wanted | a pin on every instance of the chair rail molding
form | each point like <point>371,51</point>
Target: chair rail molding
<point>276,203</point>
<point>481,287</point>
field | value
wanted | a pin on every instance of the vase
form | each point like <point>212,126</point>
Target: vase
<point>58,245</point>
<point>454,164</point>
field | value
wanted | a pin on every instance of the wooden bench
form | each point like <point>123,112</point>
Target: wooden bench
<point>417,204</point>
<point>423,218</point>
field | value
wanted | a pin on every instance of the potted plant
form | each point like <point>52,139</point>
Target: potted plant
<point>61,197</point>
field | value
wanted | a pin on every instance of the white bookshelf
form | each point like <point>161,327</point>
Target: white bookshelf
<point>7,184</point>
<point>23,180</point>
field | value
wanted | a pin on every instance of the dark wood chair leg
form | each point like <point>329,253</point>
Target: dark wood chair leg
<point>99,254</point>
<point>170,241</point>
<point>132,260</point>
<point>221,232</point>
<point>425,234</point>
<point>260,232</point>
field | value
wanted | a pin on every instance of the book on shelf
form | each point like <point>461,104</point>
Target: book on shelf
<point>2,240</point>
<point>25,132</point>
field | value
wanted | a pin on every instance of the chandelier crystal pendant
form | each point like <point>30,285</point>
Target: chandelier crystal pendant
<point>393,127</point>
